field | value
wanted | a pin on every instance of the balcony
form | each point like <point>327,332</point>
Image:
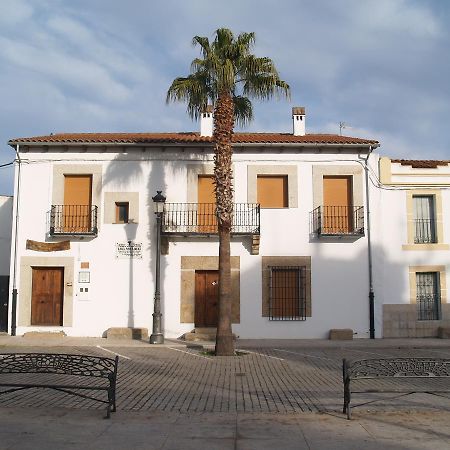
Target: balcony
<point>73,220</point>
<point>200,219</point>
<point>337,221</point>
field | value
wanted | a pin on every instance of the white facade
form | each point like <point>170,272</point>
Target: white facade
<point>412,246</point>
<point>120,290</point>
<point>6,208</point>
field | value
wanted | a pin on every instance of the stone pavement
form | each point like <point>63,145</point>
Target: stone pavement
<point>280,394</point>
<point>45,428</point>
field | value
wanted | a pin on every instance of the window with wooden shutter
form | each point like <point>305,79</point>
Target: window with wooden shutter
<point>272,191</point>
<point>206,208</point>
<point>77,203</point>
<point>337,204</point>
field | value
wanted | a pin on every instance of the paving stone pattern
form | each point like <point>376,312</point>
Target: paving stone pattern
<point>274,380</point>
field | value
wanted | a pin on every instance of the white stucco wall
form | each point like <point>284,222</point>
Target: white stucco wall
<point>121,291</point>
<point>393,259</point>
<point>6,207</point>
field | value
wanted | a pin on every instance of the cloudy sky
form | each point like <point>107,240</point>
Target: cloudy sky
<point>380,66</point>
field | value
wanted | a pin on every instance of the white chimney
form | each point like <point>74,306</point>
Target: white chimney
<point>298,120</point>
<point>206,121</point>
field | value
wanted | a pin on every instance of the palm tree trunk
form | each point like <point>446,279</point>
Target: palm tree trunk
<point>223,175</point>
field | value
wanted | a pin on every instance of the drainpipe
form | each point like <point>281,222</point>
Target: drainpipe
<point>16,227</point>
<point>369,252</point>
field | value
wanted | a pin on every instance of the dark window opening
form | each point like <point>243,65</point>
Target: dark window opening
<point>122,210</point>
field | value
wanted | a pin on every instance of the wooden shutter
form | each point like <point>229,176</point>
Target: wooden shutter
<point>272,191</point>
<point>206,212</point>
<point>77,203</point>
<point>337,204</point>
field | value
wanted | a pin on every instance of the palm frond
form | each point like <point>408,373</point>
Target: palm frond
<point>204,44</point>
<point>243,110</point>
<point>227,66</point>
<point>193,90</point>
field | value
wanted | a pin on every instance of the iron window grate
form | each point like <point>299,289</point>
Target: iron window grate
<point>287,293</point>
<point>428,298</point>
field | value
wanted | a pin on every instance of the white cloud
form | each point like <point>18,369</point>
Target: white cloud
<point>72,71</point>
<point>13,12</point>
<point>396,16</point>
<point>379,65</point>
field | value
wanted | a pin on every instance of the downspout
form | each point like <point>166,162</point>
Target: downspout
<point>14,274</point>
<point>369,252</point>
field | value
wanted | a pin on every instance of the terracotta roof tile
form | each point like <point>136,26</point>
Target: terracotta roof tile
<point>189,138</point>
<point>421,163</point>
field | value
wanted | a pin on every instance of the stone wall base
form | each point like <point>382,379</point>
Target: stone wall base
<point>343,334</point>
<point>127,333</point>
<point>400,321</point>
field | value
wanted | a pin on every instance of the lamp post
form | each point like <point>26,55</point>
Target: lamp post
<point>157,337</point>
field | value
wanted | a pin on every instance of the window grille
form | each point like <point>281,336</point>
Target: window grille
<point>428,296</point>
<point>424,219</point>
<point>287,300</point>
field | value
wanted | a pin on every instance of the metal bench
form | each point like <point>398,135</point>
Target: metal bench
<point>432,376</point>
<point>69,374</point>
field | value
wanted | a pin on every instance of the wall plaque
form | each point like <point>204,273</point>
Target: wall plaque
<point>129,250</point>
<point>47,246</point>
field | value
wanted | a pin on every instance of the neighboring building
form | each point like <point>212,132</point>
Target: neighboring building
<point>300,261</point>
<point>6,208</point>
<point>412,263</point>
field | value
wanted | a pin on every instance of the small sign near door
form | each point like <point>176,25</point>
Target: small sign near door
<point>129,250</point>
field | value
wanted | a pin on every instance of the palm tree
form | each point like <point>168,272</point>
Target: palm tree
<point>226,75</point>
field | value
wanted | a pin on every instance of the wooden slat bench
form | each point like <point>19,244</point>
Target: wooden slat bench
<point>71,374</point>
<point>370,373</point>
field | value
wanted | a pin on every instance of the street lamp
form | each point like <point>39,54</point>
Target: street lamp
<point>158,207</point>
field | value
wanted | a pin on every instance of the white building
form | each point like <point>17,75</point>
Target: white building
<point>412,261</point>
<point>6,207</point>
<point>300,258</point>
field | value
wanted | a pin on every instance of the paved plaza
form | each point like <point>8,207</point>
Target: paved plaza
<point>277,394</point>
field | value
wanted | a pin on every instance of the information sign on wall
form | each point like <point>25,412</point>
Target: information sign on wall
<point>128,250</point>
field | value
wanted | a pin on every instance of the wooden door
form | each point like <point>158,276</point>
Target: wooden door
<point>337,204</point>
<point>47,296</point>
<point>206,212</point>
<point>4,283</point>
<point>206,298</point>
<point>77,203</point>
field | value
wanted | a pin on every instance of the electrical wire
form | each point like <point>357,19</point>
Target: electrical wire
<point>373,176</point>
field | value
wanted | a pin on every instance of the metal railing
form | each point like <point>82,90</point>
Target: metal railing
<point>424,231</point>
<point>200,218</point>
<point>73,220</point>
<point>337,220</point>
<point>428,307</point>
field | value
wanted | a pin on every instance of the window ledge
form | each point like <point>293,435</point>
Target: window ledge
<point>419,247</point>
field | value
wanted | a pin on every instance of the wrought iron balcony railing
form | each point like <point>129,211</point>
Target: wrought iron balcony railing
<point>73,220</point>
<point>424,231</point>
<point>338,221</point>
<point>200,218</point>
